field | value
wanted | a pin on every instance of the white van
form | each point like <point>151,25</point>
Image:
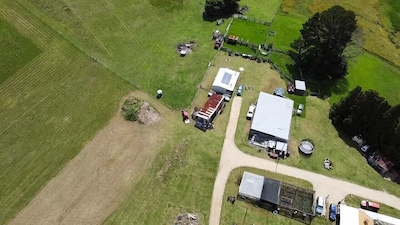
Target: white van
<point>320,205</point>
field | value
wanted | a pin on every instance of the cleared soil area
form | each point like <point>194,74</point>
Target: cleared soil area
<point>93,184</point>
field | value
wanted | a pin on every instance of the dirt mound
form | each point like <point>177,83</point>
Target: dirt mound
<point>188,219</point>
<point>138,110</point>
<point>148,115</point>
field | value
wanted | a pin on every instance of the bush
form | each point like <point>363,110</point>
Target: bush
<point>130,109</point>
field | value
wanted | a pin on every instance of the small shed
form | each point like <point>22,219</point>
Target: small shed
<point>251,186</point>
<point>225,81</point>
<point>300,87</point>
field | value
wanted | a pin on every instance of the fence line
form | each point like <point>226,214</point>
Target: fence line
<point>263,22</point>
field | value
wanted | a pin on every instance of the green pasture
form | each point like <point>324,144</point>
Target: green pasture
<point>394,14</point>
<point>240,48</point>
<point>249,31</point>
<point>283,61</point>
<point>51,106</point>
<point>137,40</point>
<point>246,213</point>
<point>262,10</point>
<point>16,50</point>
<point>369,72</point>
<point>354,201</point>
<point>287,28</point>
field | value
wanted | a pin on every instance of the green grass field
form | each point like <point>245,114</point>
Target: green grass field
<point>287,28</point>
<point>137,40</point>
<point>262,10</point>
<point>394,14</point>
<point>16,51</point>
<point>354,201</point>
<point>369,72</point>
<point>249,31</point>
<point>51,107</point>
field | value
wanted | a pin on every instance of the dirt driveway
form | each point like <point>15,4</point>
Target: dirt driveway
<point>93,184</point>
<point>232,157</point>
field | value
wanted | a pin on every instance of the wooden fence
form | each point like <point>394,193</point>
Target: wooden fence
<point>263,22</point>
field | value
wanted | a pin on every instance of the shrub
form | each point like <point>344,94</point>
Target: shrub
<point>130,109</point>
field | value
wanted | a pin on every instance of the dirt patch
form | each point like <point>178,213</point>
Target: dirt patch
<point>187,219</point>
<point>93,184</point>
<point>134,109</point>
<point>148,115</point>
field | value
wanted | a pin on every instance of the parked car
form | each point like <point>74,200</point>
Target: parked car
<point>319,207</point>
<point>300,109</point>
<point>250,112</point>
<point>332,212</point>
<point>365,148</point>
<point>239,91</point>
<point>371,206</point>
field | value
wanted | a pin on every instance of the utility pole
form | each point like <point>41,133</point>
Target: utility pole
<point>244,218</point>
<point>277,162</point>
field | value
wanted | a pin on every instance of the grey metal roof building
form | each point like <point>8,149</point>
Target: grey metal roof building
<point>251,186</point>
<point>258,188</point>
<point>272,118</point>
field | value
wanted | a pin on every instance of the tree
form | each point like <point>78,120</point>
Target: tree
<point>370,115</point>
<point>323,39</point>
<point>221,7</point>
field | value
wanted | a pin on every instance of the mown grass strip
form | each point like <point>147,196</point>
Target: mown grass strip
<point>16,50</point>
<point>51,107</point>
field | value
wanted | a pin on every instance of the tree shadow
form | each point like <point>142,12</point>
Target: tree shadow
<point>346,138</point>
<point>214,18</point>
<point>338,87</point>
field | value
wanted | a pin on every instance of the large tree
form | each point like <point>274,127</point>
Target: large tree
<point>323,39</point>
<point>370,115</point>
<point>221,7</point>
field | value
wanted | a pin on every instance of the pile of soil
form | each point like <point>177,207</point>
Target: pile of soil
<point>139,110</point>
<point>188,219</point>
<point>148,115</point>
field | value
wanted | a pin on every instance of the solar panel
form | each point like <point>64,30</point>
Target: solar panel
<point>226,79</point>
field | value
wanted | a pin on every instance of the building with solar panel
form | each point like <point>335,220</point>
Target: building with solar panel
<point>225,83</point>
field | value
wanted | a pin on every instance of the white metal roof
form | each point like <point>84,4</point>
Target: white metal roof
<point>300,85</point>
<point>273,115</point>
<point>351,216</point>
<point>251,185</point>
<point>226,79</point>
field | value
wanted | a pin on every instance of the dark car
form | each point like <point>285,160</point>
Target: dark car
<point>332,212</point>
